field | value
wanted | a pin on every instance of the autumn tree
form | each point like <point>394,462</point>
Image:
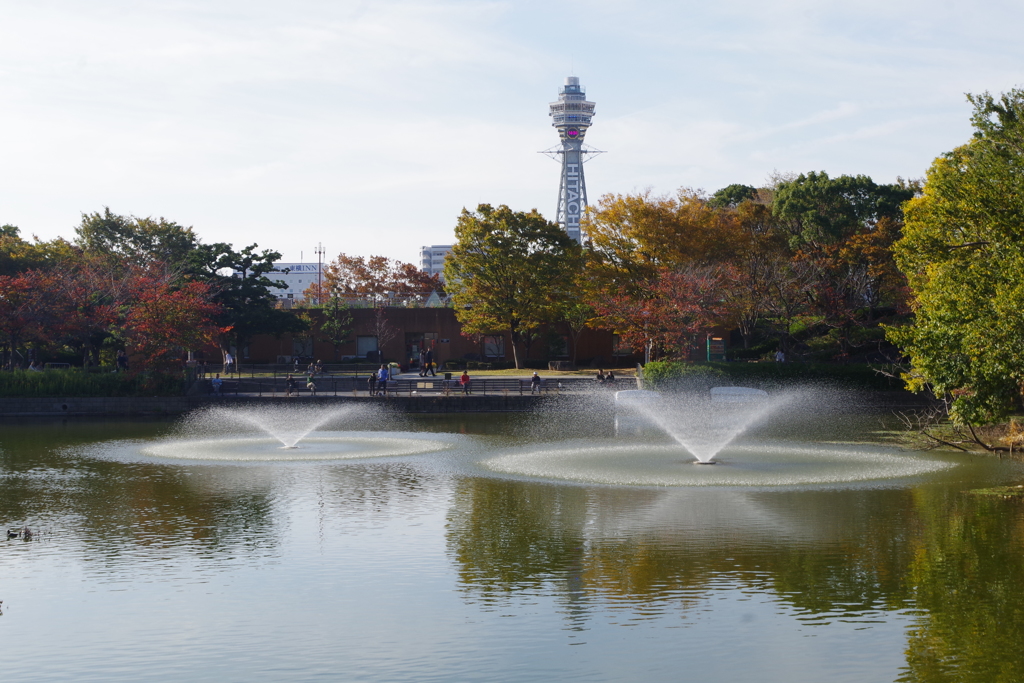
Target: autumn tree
<point>680,308</point>
<point>163,320</point>
<point>376,276</point>
<point>507,272</point>
<point>962,251</point>
<point>631,236</point>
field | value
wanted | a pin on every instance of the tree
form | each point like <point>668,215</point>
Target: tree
<point>241,287</point>
<point>139,240</point>
<point>163,320</point>
<point>377,275</point>
<point>507,272</point>
<point>632,236</point>
<point>962,252</point>
<point>732,196</point>
<point>834,229</point>
<point>336,326</point>
<point>681,306</point>
<point>382,329</point>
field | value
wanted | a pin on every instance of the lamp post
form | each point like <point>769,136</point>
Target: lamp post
<point>319,270</point>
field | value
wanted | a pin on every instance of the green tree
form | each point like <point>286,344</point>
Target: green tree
<point>139,240</point>
<point>833,227</point>
<point>732,196</point>
<point>242,288</point>
<point>336,328</point>
<point>508,271</point>
<point>962,251</point>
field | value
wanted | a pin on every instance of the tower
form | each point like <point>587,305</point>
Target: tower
<point>571,115</point>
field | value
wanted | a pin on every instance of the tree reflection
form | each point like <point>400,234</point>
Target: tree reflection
<point>968,578</point>
<point>830,555</point>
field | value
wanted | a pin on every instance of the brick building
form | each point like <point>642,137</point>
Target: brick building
<point>436,328</point>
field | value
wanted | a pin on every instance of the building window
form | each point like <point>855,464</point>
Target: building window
<point>366,347</point>
<point>494,346</point>
<point>619,348</point>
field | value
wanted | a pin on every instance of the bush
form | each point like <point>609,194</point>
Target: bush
<point>681,376</point>
<point>670,375</point>
<point>78,383</point>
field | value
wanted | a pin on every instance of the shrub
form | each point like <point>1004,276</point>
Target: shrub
<point>79,383</point>
<point>681,376</point>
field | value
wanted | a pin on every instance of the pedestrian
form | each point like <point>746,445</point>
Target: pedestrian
<point>780,357</point>
<point>430,363</point>
<point>464,381</point>
<point>382,381</point>
<point>371,383</point>
<point>423,363</point>
<point>122,361</point>
<point>310,384</point>
<point>289,385</point>
<point>216,383</point>
<point>229,363</point>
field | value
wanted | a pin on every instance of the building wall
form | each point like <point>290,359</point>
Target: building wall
<point>439,323</point>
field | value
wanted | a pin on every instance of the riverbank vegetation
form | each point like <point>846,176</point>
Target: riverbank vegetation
<point>82,383</point>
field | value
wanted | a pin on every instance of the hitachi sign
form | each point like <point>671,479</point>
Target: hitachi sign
<point>572,196</point>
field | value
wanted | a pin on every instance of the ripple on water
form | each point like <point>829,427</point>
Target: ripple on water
<point>750,465</point>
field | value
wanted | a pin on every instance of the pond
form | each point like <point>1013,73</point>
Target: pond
<point>496,547</point>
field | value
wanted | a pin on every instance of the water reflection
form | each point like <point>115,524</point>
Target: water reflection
<point>361,549</point>
<point>826,556</point>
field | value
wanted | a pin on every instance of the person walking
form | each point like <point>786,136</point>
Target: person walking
<point>382,381</point>
<point>430,363</point>
<point>229,363</point>
<point>371,383</point>
<point>423,363</point>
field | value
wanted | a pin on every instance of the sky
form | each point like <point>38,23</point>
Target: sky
<point>368,125</point>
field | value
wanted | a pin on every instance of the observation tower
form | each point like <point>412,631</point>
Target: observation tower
<point>571,116</point>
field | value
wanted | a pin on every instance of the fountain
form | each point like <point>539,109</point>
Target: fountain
<point>703,424</point>
<point>289,425</point>
<point>656,433</point>
<point>274,433</point>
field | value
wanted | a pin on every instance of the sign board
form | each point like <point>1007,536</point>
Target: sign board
<point>716,349</point>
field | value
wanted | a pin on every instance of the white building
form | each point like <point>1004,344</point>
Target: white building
<point>298,278</point>
<point>432,258</point>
